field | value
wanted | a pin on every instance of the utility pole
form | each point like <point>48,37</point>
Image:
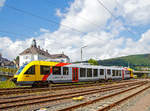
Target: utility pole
<point>82,52</point>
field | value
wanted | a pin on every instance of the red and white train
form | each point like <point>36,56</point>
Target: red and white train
<point>44,72</point>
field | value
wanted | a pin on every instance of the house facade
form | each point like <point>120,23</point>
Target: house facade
<point>36,53</point>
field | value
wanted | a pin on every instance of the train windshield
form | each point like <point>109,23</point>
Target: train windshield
<point>20,69</point>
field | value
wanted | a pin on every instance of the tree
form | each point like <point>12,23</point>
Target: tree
<point>93,62</point>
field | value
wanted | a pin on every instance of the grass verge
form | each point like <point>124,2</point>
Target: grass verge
<point>7,84</point>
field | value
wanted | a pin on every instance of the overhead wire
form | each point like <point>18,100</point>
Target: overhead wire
<point>113,15</point>
<point>83,18</point>
<point>24,25</point>
<point>12,33</point>
<point>48,20</point>
<point>42,18</point>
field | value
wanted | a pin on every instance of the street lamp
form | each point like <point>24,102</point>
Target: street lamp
<point>81,51</point>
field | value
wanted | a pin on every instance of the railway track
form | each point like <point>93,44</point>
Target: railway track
<point>109,105</point>
<point>9,91</point>
<point>106,108</point>
<point>49,98</point>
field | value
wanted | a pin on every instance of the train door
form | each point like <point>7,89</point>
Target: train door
<point>105,74</point>
<point>123,74</point>
<point>74,74</point>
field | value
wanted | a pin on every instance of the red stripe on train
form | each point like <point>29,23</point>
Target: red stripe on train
<point>62,64</point>
<point>46,76</point>
<point>59,64</point>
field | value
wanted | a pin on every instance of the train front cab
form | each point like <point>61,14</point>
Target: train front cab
<point>28,75</point>
<point>127,72</point>
<point>32,74</point>
<point>131,72</point>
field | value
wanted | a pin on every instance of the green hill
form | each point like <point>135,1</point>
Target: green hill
<point>134,61</point>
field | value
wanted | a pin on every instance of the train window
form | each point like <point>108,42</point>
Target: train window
<point>82,72</point>
<point>65,70</point>
<point>89,72</point>
<point>113,72</point>
<point>119,72</point>
<point>56,70</point>
<point>116,72</point>
<point>101,71</point>
<point>95,73</point>
<point>44,70</point>
<point>31,70</point>
<point>108,71</point>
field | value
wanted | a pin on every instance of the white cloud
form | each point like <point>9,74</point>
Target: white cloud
<point>44,30</point>
<point>2,2</point>
<point>101,44</point>
<point>58,13</point>
<point>100,47</point>
<point>87,15</point>
<point>135,11</point>
<point>11,49</point>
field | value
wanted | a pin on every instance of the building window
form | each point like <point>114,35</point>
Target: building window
<point>62,60</point>
<point>56,70</point>
<point>108,71</point>
<point>82,72</point>
<point>65,71</point>
<point>26,57</point>
<point>95,73</point>
<point>31,70</point>
<point>101,71</point>
<point>89,72</point>
<point>45,70</point>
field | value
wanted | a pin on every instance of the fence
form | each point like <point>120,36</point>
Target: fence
<point>7,71</point>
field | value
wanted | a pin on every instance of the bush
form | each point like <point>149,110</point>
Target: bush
<point>7,84</point>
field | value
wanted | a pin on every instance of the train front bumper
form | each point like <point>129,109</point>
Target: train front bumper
<point>25,83</point>
<point>14,80</point>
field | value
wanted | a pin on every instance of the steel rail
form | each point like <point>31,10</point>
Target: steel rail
<point>96,90</point>
<point>122,100</point>
<point>98,99</point>
<point>30,89</point>
<point>46,99</point>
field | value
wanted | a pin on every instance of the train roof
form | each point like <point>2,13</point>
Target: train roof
<point>93,66</point>
<point>81,65</point>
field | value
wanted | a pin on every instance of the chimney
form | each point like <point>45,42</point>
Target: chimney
<point>33,43</point>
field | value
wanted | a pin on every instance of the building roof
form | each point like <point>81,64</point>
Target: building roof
<point>36,50</point>
<point>8,63</point>
<point>59,56</point>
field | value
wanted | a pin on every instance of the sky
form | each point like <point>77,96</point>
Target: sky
<point>108,28</point>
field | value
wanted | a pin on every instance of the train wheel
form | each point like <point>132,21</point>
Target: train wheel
<point>45,84</point>
<point>36,84</point>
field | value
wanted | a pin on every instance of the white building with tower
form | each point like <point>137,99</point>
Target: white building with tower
<point>34,53</point>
